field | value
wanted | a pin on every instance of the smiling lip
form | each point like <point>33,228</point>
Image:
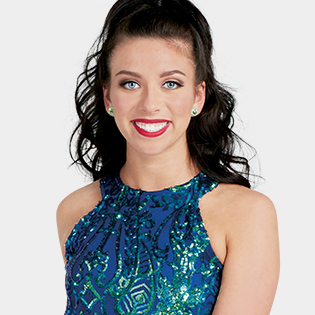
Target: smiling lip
<point>151,127</point>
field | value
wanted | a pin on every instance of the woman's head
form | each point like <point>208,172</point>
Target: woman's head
<point>152,94</point>
<point>101,148</point>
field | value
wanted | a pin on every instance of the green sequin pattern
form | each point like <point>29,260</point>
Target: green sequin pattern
<point>143,252</point>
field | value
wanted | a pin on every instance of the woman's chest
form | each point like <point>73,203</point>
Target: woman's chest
<point>162,252</point>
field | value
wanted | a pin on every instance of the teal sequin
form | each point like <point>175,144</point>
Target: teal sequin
<point>143,252</point>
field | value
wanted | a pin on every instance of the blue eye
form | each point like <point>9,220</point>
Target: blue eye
<point>171,85</point>
<point>130,85</point>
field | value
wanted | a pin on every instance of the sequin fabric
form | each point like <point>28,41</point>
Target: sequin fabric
<point>143,252</point>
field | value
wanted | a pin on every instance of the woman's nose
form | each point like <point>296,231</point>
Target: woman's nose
<point>150,102</point>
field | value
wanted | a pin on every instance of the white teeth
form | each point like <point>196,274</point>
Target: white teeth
<point>151,127</point>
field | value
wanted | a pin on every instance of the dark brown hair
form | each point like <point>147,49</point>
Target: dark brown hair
<point>100,148</point>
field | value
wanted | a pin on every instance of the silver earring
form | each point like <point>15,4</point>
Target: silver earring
<point>194,112</point>
<point>111,111</point>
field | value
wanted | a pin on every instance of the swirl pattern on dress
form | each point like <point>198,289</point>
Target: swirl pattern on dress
<point>141,252</point>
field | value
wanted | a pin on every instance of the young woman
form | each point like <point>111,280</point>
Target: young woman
<point>155,134</point>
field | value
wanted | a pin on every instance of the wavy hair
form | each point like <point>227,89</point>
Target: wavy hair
<point>99,146</point>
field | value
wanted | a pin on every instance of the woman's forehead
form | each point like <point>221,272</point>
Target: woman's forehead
<point>156,49</point>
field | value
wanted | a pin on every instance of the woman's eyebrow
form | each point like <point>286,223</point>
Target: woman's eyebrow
<point>137,75</point>
<point>167,73</point>
<point>134,74</point>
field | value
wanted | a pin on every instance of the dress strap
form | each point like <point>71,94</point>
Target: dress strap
<point>109,185</point>
<point>103,182</point>
<point>205,185</point>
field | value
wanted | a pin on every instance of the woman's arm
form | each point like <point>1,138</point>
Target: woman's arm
<point>251,262</point>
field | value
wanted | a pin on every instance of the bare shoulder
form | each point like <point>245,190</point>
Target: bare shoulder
<point>233,213</point>
<point>246,207</point>
<point>238,203</point>
<point>74,207</point>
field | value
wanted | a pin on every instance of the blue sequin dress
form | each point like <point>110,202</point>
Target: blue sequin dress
<point>143,252</point>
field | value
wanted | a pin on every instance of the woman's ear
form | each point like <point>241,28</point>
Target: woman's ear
<point>200,96</point>
<point>106,99</point>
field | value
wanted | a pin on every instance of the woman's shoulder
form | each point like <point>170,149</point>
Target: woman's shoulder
<point>246,205</point>
<point>248,213</point>
<point>237,200</point>
<point>233,213</point>
<point>72,208</point>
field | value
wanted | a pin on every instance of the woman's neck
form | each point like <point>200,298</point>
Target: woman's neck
<point>152,173</point>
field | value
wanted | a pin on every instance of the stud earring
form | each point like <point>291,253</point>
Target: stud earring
<point>194,112</point>
<point>111,111</point>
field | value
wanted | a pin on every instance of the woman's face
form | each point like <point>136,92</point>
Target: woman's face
<point>152,92</point>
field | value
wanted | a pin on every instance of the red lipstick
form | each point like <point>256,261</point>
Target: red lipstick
<point>151,127</point>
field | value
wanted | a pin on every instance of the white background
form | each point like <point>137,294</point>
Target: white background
<point>263,49</point>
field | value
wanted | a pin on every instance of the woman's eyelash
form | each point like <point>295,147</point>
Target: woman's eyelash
<point>129,84</point>
<point>174,83</point>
